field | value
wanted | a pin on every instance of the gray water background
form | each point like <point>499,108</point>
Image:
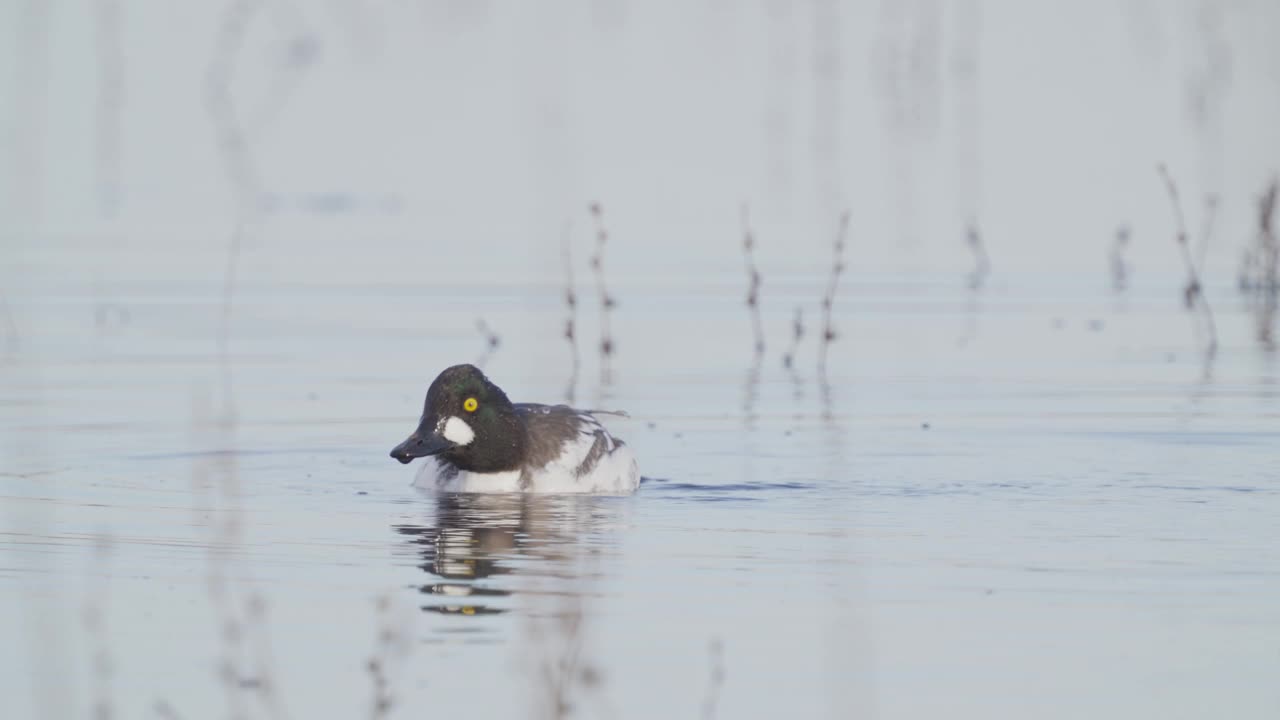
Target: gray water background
<point>1036,498</point>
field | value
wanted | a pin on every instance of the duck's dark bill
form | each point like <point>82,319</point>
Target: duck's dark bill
<point>420,446</point>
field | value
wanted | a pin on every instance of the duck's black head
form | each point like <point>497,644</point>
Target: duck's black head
<point>468,421</point>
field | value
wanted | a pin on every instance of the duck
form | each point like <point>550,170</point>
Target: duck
<point>473,439</point>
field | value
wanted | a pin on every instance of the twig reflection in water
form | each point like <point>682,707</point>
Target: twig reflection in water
<point>216,483</point>
<point>716,680</point>
<point>392,645</point>
<point>95,622</point>
<point>475,541</point>
<point>750,393</point>
<point>789,358</point>
<point>246,665</point>
<point>559,631</point>
<point>972,312</point>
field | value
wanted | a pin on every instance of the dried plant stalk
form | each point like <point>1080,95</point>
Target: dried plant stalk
<point>607,303</point>
<point>571,308</point>
<point>981,261</point>
<point>753,280</point>
<point>491,341</point>
<point>1263,280</point>
<point>829,298</point>
<point>1193,292</point>
<point>797,334</point>
<point>1119,267</point>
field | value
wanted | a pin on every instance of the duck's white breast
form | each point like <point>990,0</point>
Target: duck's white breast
<point>434,477</point>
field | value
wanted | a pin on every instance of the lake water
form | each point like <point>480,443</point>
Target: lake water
<point>239,239</point>
<point>1028,501</point>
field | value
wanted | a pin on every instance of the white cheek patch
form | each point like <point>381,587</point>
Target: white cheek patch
<point>457,431</point>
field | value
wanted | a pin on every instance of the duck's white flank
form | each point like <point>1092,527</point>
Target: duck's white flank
<point>616,472</point>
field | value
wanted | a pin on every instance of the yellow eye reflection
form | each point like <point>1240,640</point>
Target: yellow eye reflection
<point>470,404</point>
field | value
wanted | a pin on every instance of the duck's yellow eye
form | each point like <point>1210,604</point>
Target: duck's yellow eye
<point>470,404</point>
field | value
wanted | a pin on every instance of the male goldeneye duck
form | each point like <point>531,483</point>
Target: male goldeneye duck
<point>476,440</point>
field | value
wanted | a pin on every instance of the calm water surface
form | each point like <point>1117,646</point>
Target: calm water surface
<point>1033,502</point>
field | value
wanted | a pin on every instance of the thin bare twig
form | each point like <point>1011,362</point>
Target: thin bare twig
<point>1263,281</point>
<point>165,710</point>
<point>1206,229</point>
<point>1119,267</point>
<point>607,303</point>
<point>1193,292</point>
<point>571,307</point>
<point>232,141</point>
<point>829,298</point>
<point>491,342</point>
<point>981,261</point>
<point>614,413</point>
<point>1248,269</point>
<point>753,279</point>
<point>230,134</point>
<point>10,343</point>
<point>110,63</point>
<point>300,49</point>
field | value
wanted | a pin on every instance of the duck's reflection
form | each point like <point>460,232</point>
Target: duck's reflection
<point>541,556</point>
<point>473,541</point>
